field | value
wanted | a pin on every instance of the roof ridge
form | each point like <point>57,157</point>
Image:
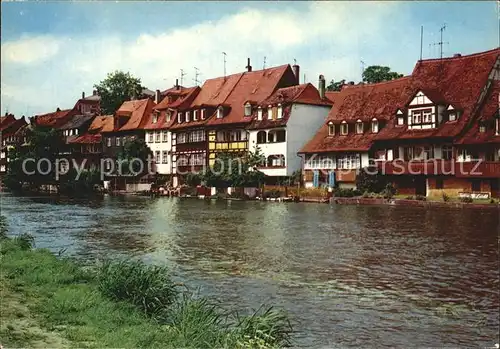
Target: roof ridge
<point>476,54</point>
<point>375,84</point>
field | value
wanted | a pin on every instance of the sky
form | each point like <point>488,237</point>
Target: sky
<point>53,51</point>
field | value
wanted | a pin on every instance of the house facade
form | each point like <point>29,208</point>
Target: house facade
<point>283,123</point>
<point>12,134</point>
<point>427,131</point>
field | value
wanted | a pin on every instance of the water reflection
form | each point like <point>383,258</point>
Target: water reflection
<point>350,276</point>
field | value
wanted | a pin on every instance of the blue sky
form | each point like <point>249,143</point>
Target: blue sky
<point>51,52</point>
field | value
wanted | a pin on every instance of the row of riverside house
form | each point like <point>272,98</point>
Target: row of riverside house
<point>432,131</point>
<point>435,131</point>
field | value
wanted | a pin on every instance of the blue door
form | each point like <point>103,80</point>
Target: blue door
<point>316,178</point>
<point>331,179</point>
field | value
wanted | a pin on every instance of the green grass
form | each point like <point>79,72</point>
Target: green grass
<point>51,302</point>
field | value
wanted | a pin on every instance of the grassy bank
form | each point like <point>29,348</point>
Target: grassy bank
<point>53,302</point>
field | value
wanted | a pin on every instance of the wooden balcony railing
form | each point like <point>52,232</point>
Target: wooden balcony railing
<point>478,168</point>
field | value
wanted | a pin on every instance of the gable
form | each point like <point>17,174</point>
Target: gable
<point>420,99</point>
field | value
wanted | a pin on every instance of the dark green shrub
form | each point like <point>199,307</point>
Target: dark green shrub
<point>371,180</point>
<point>466,200</point>
<point>274,193</point>
<point>420,198</point>
<point>446,197</point>
<point>389,191</point>
<point>346,193</point>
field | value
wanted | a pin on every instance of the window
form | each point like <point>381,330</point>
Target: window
<point>276,160</point>
<point>108,141</point>
<point>155,118</point>
<point>416,116</point>
<point>182,160</point>
<point>482,127</point>
<point>195,115</point>
<point>401,120</point>
<point>248,109</point>
<point>452,116</point>
<point>428,152</point>
<point>427,116</point>
<point>344,128</point>
<point>157,137</point>
<point>447,152</point>
<point>280,136</point>
<point>408,153</point>
<point>197,136</point>
<point>181,138</point>
<point>203,114</point>
<point>261,137</point>
<point>117,141</point>
<point>349,161</point>
<point>259,113</point>
<point>331,129</point>
<point>220,113</point>
<point>359,126</point>
<point>270,112</point>
<point>150,137</point>
<point>164,157</point>
<point>497,126</point>
<point>188,116</point>
<point>197,160</point>
<point>280,112</point>
<point>157,156</point>
<point>235,136</point>
<point>476,185</point>
<point>165,137</point>
<point>374,125</point>
<point>169,115</point>
<point>439,183</point>
<point>179,118</point>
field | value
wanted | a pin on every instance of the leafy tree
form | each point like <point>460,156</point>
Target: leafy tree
<point>335,86</point>
<point>377,73</point>
<point>370,180</point>
<point>233,171</point>
<point>133,150</point>
<point>117,88</point>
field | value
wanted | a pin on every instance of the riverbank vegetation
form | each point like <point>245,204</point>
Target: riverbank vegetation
<point>55,302</point>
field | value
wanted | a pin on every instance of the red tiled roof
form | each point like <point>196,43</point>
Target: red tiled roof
<point>301,94</point>
<point>11,126</point>
<point>102,123</point>
<point>87,138</point>
<point>487,115</point>
<point>6,120</point>
<point>55,119</point>
<point>182,94</point>
<point>137,111</point>
<point>255,85</point>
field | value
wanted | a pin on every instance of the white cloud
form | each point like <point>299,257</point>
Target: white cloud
<point>29,50</point>
<point>321,39</point>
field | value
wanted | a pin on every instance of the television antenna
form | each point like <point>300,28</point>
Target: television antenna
<point>196,74</point>
<point>182,76</point>
<point>441,43</point>
<point>224,55</point>
<point>264,63</point>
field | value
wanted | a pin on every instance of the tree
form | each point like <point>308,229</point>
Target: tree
<point>370,180</point>
<point>377,73</point>
<point>335,86</point>
<point>134,152</point>
<point>117,88</point>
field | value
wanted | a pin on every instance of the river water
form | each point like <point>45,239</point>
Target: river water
<point>349,276</point>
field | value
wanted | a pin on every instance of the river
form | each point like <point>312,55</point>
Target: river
<point>349,276</point>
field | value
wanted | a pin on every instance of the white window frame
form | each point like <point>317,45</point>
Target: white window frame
<point>164,159</point>
<point>344,128</point>
<point>155,118</point>
<point>118,141</point>
<point>248,109</point>
<point>203,114</point>
<point>165,136</point>
<point>331,129</point>
<point>181,138</point>
<point>359,127</point>
<point>401,120</point>
<point>452,116</point>
<point>151,137</point>
<point>497,126</point>
<point>108,141</point>
<point>280,112</point>
<point>196,136</point>
<point>188,116</point>
<point>195,115</point>
<point>157,157</point>
<point>269,112</point>
<point>447,149</point>
<point>374,125</point>
<point>157,137</point>
<point>259,113</point>
<point>179,118</point>
<point>220,113</point>
<point>168,114</point>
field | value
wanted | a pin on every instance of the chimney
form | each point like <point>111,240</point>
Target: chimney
<point>83,95</point>
<point>58,109</point>
<point>457,55</point>
<point>249,67</point>
<point>157,96</point>
<point>176,84</point>
<point>351,83</point>
<point>296,72</point>
<point>94,93</point>
<point>322,86</point>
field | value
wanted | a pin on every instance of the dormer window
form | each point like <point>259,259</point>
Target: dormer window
<point>452,113</point>
<point>359,127</point>
<point>169,115</point>
<point>344,129</point>
<point>203,114</point>
<point>259,113</point>
<point>482,127</point>
<point>497,126</point>
<point>179,118</point>
<point>331,129</point>
<point>270,112</point>
<point>155,118</point>
<point>374,125</point>
<point>248,109</point>
<point>220,113</point>
<point>195,115</point>
<point>400,118</point>
<point>188,116</point>
<point>280,111</point>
